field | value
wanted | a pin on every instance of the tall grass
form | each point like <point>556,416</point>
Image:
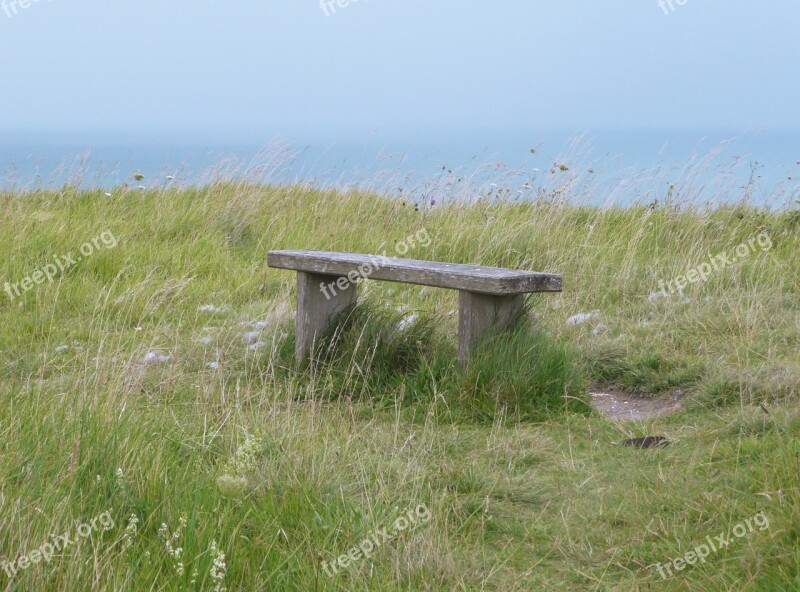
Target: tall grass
<point>525,489</point>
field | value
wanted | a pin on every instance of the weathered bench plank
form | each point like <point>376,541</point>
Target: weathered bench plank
<point>456,276</point>
<point>490,298</point>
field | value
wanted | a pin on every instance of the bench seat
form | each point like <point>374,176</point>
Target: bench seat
<point>456,276</point>
<point>489,297</point>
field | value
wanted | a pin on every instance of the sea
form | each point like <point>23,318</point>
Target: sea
<point>592,167</point>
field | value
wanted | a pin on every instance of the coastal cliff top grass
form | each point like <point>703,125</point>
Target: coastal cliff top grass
<point>148,378</point>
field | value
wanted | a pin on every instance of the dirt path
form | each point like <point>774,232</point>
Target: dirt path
<point>617,404</point>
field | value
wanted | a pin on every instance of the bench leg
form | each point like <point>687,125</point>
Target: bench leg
<point>480,314</point>
<point>317,307</point>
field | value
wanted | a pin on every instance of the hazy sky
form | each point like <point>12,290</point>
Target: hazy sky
<point>283,64</point>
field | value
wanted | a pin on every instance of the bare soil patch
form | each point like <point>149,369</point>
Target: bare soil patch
<point>617,404</point>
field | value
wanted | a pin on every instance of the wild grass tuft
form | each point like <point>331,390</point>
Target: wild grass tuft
<point>524,376</point>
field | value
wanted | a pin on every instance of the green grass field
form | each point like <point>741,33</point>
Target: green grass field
<point>152,417</point>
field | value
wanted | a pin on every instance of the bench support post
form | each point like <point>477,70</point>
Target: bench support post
<point>317,307</point>
<point>481,314</point>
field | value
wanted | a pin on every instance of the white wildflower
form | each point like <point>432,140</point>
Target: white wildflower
<point>218,568</point>
<point>130,531</point>
<point>175,552</point>
<point>231,486</point>
<point>244,460</point>
<point>233,481</point>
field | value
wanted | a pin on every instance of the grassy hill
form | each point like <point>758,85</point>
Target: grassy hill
<point>157,435</point>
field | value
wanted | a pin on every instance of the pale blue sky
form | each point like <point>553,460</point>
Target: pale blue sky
<point>245,65</point>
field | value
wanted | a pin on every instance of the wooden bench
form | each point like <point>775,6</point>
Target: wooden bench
<point>490,298</point>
